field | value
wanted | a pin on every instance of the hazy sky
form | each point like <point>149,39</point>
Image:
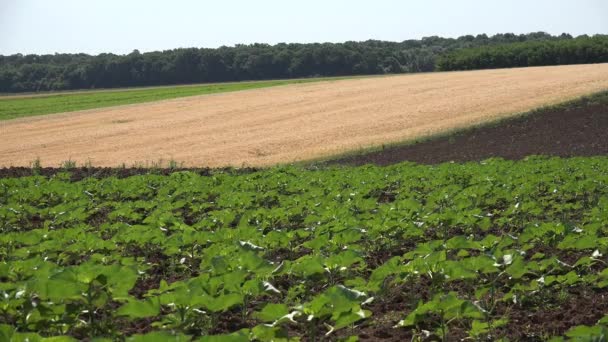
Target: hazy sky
<point>119,26</point>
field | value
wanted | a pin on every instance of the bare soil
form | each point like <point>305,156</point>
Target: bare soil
<point>291,123</point>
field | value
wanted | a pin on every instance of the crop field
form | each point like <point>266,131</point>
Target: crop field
<point>486,250</point>
<point>16,106</point>
<point>264,127</point>
<point>575,128</point>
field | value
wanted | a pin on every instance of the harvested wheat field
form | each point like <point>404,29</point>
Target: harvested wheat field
<point>289,123</point>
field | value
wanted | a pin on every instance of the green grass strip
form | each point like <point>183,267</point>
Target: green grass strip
<point>12,107</point>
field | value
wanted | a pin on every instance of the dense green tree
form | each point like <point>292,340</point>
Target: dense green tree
<point>536,52</point>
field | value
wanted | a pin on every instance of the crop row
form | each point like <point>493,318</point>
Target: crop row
<point>497,250</point>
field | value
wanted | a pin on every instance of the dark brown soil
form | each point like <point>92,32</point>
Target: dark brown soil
<point>582,306</point>
<point>578,130</point>
<point>79,173</point>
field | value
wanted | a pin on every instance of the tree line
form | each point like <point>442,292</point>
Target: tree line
<point>31,73</point>
<point>580,50</point>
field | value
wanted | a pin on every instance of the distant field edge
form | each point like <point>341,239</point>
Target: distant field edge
<point>591,111</point>
<point>565,129</point>
<point>25,105</point>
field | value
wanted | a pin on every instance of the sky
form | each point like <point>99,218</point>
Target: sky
<point>120,26</point>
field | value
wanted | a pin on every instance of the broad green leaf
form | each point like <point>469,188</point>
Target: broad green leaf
<point>59,339</point>
<point>223,302</point>
<point>349,339</point>
<point>517,269</point>
<point>25,337</point>
<point>348,318</point>
<point>6,332</point>
<point>270,333</point>
<point>272,312</point>
<point>587,333</point>
<point>579,242</point>
<point>140,308</point>
<point>308,266</point>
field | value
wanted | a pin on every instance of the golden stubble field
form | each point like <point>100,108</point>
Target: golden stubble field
<point>290,123</point>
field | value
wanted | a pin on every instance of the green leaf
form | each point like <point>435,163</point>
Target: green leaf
<point>449,305</point>
<point>59,290</point>
<point>6,332</point>
<point>140,308</point>
<point>517,269</point>
<point>376,279</point>
<point>349,318</point>
<point>308,266</point>
<point>461,242</point>
<point>222,303</point>
<point>479,328</point>
<point>272,312</point>
<point>579,242</point>
<point>268,333</point>
<point>411,319</point>
<point>457,270</point>
<point>59,339</point>
<point>587,333</point>
<point>344,259</point>
<point>239,336</point>
<point>25,337</point>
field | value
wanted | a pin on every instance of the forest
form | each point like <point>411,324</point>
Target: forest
<point>580,50</point>
<point>60,71</point>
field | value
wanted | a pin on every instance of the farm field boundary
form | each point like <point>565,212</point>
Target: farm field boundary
<point>579,124</point>
<point>573,128</point>
<point>264,127</point>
